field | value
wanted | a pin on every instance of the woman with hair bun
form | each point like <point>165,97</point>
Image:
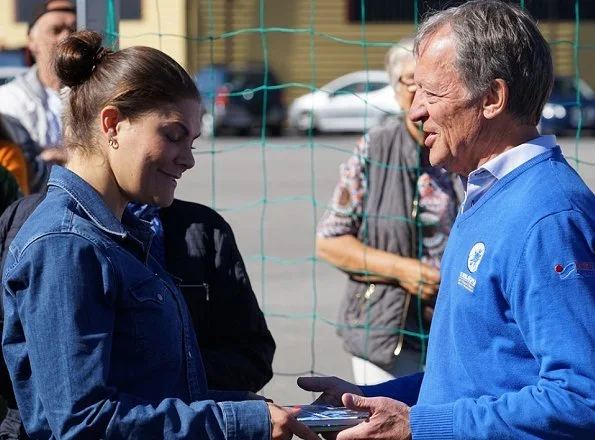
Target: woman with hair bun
<point>97,339</point>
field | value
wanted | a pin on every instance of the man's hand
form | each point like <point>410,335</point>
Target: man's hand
<point>332,389</point>
<point>412,274</point>
<point>54,155</point>
<point>389,419</point>
<point>285,426</point>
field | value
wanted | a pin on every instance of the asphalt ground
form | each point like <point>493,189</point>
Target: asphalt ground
<point>272,191</point>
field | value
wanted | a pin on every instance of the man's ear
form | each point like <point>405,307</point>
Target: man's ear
<point>31,43</point>
<point>110,117</point>
<point>495,101</point>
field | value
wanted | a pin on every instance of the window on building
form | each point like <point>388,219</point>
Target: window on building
<point>378,11</point>
<point>129,9</point>
<point>25,9</point>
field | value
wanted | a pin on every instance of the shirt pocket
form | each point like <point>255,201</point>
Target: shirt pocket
<point>148,307</point>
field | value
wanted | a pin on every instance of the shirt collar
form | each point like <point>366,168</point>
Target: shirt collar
<point>504,163</point>
<point>94,205</point>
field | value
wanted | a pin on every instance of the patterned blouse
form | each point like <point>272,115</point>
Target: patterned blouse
<point>436,208</point>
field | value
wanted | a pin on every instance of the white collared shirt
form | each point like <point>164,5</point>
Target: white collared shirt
<point>481,180</point>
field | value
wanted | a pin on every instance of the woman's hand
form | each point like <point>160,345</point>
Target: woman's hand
<point>284,425</point>
<point>417,277</point>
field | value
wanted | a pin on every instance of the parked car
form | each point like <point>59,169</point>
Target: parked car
<point>351,103</point>
<point>7,73</point>
<point>233,98</point>
<point>561,112</point>
<point>12,63</point>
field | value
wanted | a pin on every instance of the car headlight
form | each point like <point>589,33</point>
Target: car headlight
<point>554,111</point>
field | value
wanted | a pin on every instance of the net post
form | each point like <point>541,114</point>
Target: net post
<point>100,16</point>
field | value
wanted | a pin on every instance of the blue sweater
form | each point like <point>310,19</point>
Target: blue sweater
<point>512,344</point>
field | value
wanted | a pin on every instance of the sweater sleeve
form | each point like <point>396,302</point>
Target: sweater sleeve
<point>552,300</point>
<point>404,389</point>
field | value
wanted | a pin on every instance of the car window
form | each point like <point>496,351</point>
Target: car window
<point>13,57</point>
<point>208,80</point>
<point>566,86</point>
<point>360,87</point>
<point>357,87</point>
<point>241,80</point>
<point>373,86</point>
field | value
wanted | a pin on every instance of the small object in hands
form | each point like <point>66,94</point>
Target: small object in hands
<point>323,418</point>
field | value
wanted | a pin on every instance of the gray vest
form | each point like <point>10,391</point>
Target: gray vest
<point>372,317</point>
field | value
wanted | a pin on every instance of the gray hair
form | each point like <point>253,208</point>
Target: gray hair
<point>395,59</point>
<point>498,40</point>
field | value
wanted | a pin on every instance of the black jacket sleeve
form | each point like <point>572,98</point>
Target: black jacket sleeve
<point>10,222</point>
<point>235,342</point>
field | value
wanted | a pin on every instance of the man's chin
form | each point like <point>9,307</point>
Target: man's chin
<point>435,159</point>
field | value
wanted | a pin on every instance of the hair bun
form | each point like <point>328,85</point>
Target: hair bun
<point>77,56</point>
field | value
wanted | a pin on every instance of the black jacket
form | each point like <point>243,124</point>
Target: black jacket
<point>202,255</point>
<point>201,250</point>
<point>10,222</point>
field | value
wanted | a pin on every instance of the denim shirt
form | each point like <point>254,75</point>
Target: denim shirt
<point>97,338</point>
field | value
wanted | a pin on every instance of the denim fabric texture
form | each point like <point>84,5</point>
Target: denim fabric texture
<point>97,338</point>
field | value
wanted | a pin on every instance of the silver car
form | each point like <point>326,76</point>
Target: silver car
<point>351,103</point>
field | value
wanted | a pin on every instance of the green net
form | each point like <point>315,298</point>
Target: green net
<point>273,190</point>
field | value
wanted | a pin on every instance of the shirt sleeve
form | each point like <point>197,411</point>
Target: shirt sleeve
<point>343,215</point>
<point>59,326</point>
<point>552,300</point>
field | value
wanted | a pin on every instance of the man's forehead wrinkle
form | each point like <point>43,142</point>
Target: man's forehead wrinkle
<point>438,56</point>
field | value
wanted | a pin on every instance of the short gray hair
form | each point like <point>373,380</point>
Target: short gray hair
<point>498,40</point>
<point>395,59</point>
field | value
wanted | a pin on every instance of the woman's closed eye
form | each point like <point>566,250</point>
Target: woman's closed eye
<point>175,136</point>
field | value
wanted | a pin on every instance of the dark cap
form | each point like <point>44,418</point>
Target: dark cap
<point>46,7</point>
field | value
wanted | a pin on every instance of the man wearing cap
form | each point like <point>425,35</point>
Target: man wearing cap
<point>31,103</point>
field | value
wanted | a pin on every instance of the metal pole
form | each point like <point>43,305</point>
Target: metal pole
<point>101,16</point>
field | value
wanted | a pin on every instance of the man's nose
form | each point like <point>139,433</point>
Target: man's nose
<point>418,111</point>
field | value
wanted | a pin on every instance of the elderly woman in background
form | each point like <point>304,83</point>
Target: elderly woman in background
<point>386,227</point>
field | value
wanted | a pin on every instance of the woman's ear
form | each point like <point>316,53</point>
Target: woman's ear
<point>110,117</point>
<point>495,101</point>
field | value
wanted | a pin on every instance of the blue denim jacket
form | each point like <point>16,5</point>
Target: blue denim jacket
<point>97,338</point>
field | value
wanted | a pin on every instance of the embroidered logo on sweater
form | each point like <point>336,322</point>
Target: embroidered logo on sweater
<point>467,281</point>
<point>475,256</point>
<point>577,268</point>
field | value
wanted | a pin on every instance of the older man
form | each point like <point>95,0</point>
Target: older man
<point>30,103</point>
<point>511,351</point>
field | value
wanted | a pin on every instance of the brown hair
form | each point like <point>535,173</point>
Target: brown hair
<point>137,80</point>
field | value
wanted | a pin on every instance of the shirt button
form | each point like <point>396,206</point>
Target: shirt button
<point>160,297</point>
<point>189,355</point>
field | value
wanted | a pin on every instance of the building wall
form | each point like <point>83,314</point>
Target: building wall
<point>163,26</point>
<point>323,44</point>
<point>167,19</point>
<point>213,30</point>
